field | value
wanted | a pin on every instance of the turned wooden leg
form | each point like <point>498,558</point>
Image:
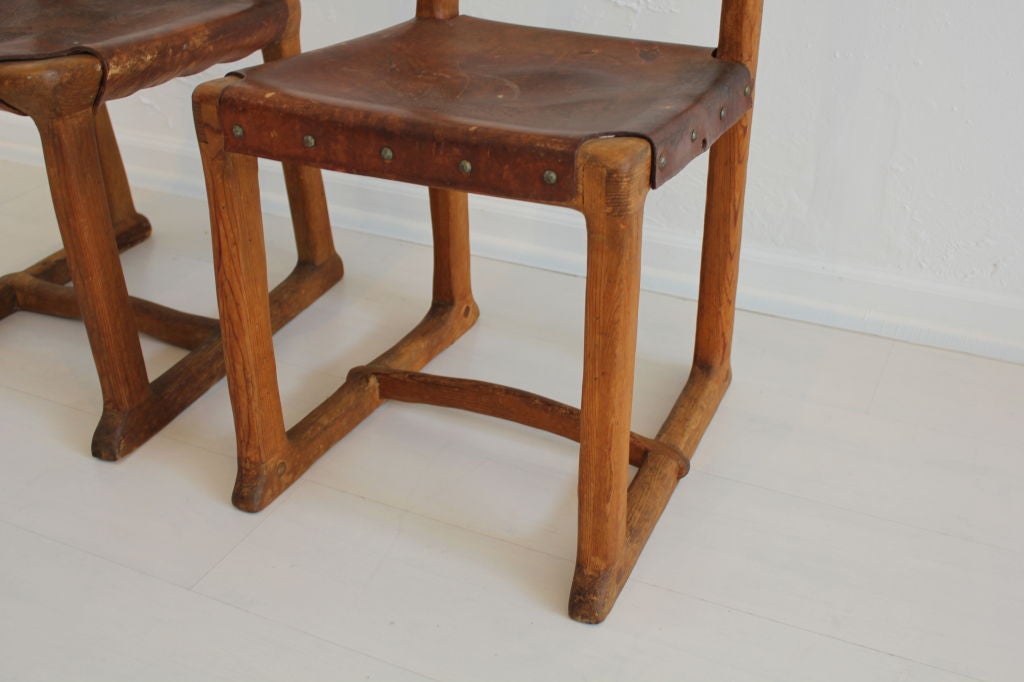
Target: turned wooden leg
<point>615,185</point>
<point>83,214</point>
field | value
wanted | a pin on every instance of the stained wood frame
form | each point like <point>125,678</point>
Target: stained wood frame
<point>98,219</point>
<point>616,514</point>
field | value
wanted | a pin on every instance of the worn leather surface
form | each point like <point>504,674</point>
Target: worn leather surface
<point>141,43</point>
<point>513,101</point>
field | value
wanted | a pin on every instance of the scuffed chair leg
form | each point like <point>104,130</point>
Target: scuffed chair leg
<point>83,214</point>
<point>244,301</point>
<point>250,314</point>
<point>615,185</point>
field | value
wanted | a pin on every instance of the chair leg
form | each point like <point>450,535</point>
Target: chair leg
<point>245,315</point>
<point>739,41</point>
<point>720,258</point>
<point>615,184</point>
<point>716,306</point>
<point>305,186</point>
<point>119,194</point>
<point>130,228</point>
<point>452,310</point>
<point>310,220</point>
<point>97,218</point>
<point>449,214</point>
<point>270,458</point>
<point>84,217</point>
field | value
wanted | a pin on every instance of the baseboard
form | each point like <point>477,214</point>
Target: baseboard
<point>792,287</point>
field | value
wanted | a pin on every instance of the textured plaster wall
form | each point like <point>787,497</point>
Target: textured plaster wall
<point>887,189</point>
<point>888,133</point>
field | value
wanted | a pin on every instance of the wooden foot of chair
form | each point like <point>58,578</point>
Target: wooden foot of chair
<point>41,289</point>
<point>120,432</point>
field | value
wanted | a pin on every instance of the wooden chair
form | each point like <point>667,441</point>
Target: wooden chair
<point>60,62</point>
<point>463,105</point>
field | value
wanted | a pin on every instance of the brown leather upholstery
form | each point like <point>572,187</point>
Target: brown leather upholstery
<point>141,43</point>
<point>513,101</point>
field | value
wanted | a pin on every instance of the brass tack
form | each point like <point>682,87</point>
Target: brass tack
<point>662,161</point>
<point>746,91</point>
<point>550,177</point>
<point>721,114</point>
<point>387,153</point>
<point>465,167</point>
<point>281,468</point>
<point>693,136</point>
<point>308,141</point>
<point>237,130</point>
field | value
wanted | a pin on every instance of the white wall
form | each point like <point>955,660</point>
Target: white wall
<point>886,195</point>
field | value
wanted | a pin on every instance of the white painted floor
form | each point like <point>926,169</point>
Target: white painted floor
<point>854,514</point>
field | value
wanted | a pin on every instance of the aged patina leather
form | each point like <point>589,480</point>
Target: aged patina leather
<point>513,101</point>
<point>140,43</point>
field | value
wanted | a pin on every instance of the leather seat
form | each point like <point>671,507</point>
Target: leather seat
<point>140,43</point>
<point>514,102</point>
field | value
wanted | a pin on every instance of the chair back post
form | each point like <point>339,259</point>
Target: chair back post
<point>437,9</point>
<point>740,36</point>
